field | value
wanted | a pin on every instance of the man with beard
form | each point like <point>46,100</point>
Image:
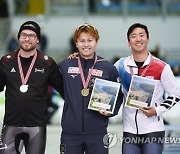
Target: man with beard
<point>26,73</point>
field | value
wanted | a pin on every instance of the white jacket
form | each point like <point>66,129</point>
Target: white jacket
<point>134,120</point>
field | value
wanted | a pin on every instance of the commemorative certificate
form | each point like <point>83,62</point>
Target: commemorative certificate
<point>140,92</point>
<point>104,95</point>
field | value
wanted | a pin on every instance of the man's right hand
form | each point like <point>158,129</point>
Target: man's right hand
<point>73,55</point>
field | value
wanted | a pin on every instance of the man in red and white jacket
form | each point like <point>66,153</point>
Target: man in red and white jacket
<point>145,124</point>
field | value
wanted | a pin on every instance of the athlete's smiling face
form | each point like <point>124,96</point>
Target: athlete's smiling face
<point>138,40</point>
<point>28,40</point>
<point>86,45</point>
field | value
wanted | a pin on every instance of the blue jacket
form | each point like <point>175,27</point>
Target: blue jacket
<point>77,118</point>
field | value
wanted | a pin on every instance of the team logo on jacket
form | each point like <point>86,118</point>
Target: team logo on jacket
<point>8,56</point>
<point>46,57</point>
<point>75,70</point>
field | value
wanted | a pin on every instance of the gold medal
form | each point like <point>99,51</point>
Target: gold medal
<point>85,92</point>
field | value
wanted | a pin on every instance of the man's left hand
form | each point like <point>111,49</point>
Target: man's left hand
<point>149,111</point>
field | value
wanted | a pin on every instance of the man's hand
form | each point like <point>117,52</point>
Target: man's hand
<point>104,112</point>
<point>149,111</point>
<point>73,55</point>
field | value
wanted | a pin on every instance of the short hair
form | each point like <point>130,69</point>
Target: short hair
<point>137,25</point>
<point>87,28</point>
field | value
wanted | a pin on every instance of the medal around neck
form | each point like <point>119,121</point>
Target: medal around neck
<point>24,79</point>
<point>85,92</point>
<point>24,88</point>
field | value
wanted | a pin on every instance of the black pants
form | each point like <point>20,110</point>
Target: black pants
<point>82,143</point>
<point>150,143</point>
<point>33,138</point>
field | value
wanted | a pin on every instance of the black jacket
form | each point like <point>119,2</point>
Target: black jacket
<point>29,108</point>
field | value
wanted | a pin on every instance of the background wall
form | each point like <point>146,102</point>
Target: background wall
<point>113,29</point>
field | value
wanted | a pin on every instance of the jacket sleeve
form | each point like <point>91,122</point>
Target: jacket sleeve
<point>2,77</point>
<point>115,77</point>
<point>170,86</point>
<point>56,79</point>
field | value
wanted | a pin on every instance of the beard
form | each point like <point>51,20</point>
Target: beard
<point>27,48</point>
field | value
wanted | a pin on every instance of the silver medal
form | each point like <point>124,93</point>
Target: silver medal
<point>23,88</point>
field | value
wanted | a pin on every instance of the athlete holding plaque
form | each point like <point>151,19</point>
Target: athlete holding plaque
<point>144,128</point>
<point>83,129</point>
<point>26,73</point>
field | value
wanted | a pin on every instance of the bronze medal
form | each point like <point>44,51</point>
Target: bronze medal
<point>85,92</point>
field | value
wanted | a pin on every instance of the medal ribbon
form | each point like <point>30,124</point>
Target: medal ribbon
<point>142,74</point>
<point>24,80</point>
<point>85,83</point>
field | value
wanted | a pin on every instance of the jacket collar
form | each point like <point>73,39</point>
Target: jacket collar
<point>132,63</point>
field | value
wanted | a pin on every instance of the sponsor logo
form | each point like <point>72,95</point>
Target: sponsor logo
<point>13,70</point>
<point>96,72</point>
<point>150,77</point>
<point>39,70</point>
<point>74,70</point>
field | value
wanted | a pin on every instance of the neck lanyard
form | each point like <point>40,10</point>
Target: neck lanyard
<point>85,90</point>
<point>145,70</point>
<point>24,79</point>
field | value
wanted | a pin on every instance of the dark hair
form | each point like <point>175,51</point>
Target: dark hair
<point>137,25</point>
